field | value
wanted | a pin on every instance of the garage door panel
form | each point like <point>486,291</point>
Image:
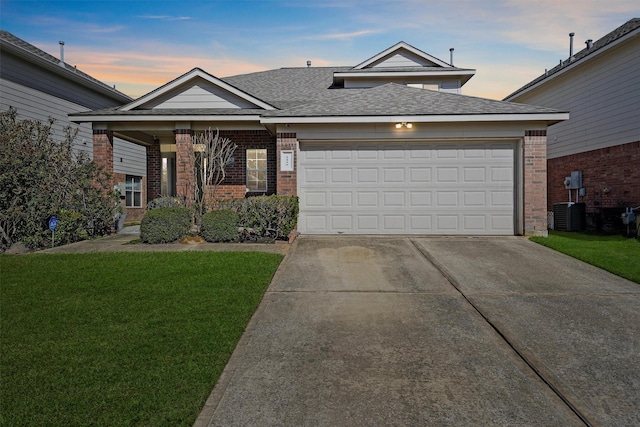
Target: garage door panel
<point>391,188</point>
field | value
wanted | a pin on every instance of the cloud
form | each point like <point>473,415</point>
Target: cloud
<point>342,36</point>
<point>166,17</point>
<point>136,73</point>
<point>77,26</point>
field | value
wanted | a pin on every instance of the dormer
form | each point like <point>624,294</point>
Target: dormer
<point>406,65</point>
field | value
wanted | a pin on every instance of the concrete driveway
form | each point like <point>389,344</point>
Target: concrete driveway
<point>365,331</point>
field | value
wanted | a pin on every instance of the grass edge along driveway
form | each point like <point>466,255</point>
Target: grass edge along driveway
<point>121,338</point>
<point>616,254</point>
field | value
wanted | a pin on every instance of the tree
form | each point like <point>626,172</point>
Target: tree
<point>41,177</point>
<point>213,155</point>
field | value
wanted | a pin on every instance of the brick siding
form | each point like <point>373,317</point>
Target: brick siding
<point>287,180</point>
<point>610,176</point>
<point>103,150</point>
<point>535,182</point>
<point>184,166</point>
<point>154,171</point>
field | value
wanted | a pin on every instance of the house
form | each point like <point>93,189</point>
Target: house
<point>388,146</point>
<point>39,86</point>
<point>600,86</point>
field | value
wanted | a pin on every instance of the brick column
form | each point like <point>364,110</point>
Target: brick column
<point>535,182</point>
<point>103,151</point>
<point>287,181</point>
<point>185,160</point>
<point>154,171</point>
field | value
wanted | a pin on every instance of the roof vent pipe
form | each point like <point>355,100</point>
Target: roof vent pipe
<point>451,56</point>
<point>308,63</point>
<point>61,53</point>
<point>589,43</point>
<point>571,44</point>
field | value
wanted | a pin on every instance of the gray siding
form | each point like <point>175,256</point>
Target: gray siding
<point>129,158</point>
<point>403,58</point>
<point>200,95</point>
<point>603,98</point>
<point>35,105</point>
<point>27,74</point>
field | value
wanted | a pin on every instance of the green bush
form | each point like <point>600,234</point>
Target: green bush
<point>71,227</point>
<point>219,226</point>
<point>164,202</point>
<point>164,225</point>
<point>42,175</point>
<point>268,216</point>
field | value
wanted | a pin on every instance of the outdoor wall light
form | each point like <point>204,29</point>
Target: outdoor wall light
<point>405,124</point>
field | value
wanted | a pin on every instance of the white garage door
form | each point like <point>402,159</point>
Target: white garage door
<point>406,188</point>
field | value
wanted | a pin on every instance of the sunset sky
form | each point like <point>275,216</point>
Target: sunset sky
<point>140,45</point>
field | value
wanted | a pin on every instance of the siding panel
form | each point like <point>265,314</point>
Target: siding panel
<point>35,105</point>
<point>129,158</point>
<point>603,98</point>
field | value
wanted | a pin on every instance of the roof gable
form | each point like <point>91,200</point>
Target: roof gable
<point>401,55</point>
<point>197,89</point>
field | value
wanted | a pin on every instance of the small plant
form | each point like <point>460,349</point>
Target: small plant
<point>164,225</point>
<point>220,226</point>
<point>164,202</point>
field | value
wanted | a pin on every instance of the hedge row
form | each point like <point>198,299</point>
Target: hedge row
<point>263,217</point>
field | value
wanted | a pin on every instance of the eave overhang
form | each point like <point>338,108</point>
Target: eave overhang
<point>549,118</point>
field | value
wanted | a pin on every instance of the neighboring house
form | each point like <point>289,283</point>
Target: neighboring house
<point>40,86</point>
<point>600,87</point>
<point>388,146</point>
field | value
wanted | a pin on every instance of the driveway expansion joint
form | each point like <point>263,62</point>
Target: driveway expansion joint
<point>449,277</point>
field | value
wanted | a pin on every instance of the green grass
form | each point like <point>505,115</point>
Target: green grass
<point>121,338</point>
<point>616,254</point>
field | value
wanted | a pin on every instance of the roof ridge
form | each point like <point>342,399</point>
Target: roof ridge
<point>621,31</point>
<point>31,49</point>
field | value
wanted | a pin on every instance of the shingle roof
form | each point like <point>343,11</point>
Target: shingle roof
<point>621,31</point>
<point>17,43</point>
<point>287,87</point>
<point>398,100</point>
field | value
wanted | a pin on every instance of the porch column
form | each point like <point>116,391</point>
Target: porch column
<point>287,180</point>
<point>185,160</point>
<point>154,171</point>
<point>103,151</point>
<point>535,182</point>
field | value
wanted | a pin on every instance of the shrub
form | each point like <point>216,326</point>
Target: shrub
<point>164,225</point>
<point>268,216</point>
<point>219,226</point>
<point>71,227</point>
<point>164,202</point>
<point>42,175</point>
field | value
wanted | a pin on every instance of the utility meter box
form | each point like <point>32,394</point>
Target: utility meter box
<point>574,181</point>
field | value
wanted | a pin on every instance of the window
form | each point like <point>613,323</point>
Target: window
<point>133,191</point>
<point>257,169</point>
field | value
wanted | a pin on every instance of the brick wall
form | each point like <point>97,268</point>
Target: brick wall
<point>103,150</point>
<point>287,181</point>
<point>611,177</point>
<point>235,184</point>
<point>535,182</point>
<point>154,171</point>
<point>184,166</point>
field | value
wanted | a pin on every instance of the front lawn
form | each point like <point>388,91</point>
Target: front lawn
<point>617,254</point>
<point>121,338</point>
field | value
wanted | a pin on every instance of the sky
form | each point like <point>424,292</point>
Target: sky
<point>140,45</point>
